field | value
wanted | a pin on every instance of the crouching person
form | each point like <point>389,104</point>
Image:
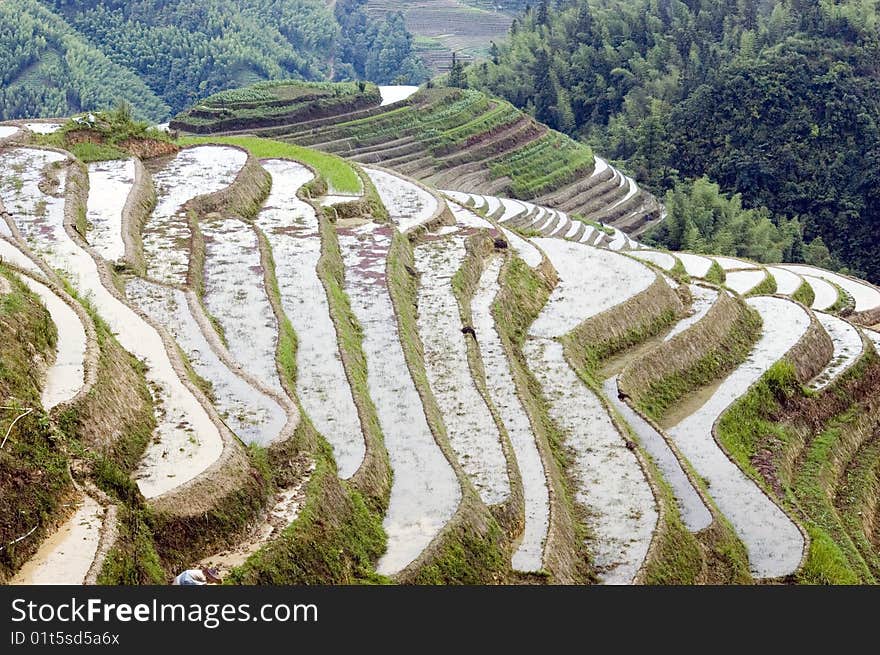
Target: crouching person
<point>201,576</point>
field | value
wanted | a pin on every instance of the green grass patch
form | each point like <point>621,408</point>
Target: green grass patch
<point>805,294</point>
<point>596,225</point>
<point>767,287</point>
<point>336,538</point>
<point>93,152</point>
<point>716,274</point>
<point>845,303</point>
<point>340,175</point>
<point>33,461</point>
<point>663,394</point>
<point>751,425</point>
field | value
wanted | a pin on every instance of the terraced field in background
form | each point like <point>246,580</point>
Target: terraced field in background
<point>213,357</point>
<point>441,27</point>
<point>450,138</point>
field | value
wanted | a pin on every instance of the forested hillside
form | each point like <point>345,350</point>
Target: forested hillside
<point>61,56</point>
<point>777,101</point>
<point>48,69</point>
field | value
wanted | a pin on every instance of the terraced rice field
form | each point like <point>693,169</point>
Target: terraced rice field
<point>471,430</point>
<point>38,216</point>
<point>464,140</point>
<point>866,296</point>
<point>774,543</point>
<point>253,414</point>
<point>187,442</point>
<point>694,513</point>
<point>408,204</point>
<point>110,183</point>
<point>194,172</point>
<point>529,555</point>
<point>66,375</point>
<point>787,283</point>
<point>66,556</point>
<point>291,228</point>
<point>510,458</point>
<point>703,299</point>
<point>732,263</point>
<point>826,294</point>
<point>744,281</point>
<point>848,347</point>
<point>43,128</point>
<point>235,295</point>
<point>662,259</point>
<point>611,484</point>
<point>11,254</point>
<point>695,265</point>
<point>605,277</point>
<point>425,492</point>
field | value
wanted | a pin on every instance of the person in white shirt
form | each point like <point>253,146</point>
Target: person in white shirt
<point>201,576</point>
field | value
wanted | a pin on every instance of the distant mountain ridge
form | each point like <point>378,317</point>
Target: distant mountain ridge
<point>62,57</point>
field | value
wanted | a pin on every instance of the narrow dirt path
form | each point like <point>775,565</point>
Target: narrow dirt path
<point>283,511</point>
<point>64,558</point>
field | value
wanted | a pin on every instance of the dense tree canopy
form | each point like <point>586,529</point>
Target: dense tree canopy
<point>163,55</point>
<point>778,101</point>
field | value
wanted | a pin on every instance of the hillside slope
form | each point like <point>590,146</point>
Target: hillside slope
<point>166,55</point>
<point>777,101</point>
<point>51,70</point>
<point>450,138</point>
<point>441,27</point>
<point>304,370</point>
